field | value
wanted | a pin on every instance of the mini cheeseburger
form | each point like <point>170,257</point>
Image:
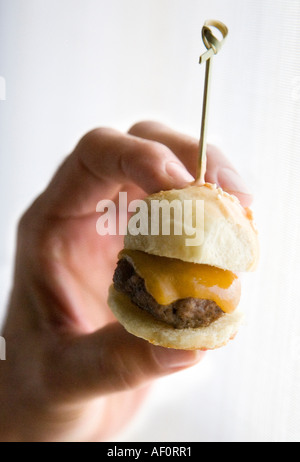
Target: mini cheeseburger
<point>186,297</point>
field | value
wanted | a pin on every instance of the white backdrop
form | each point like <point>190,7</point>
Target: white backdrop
<point>71,65</point>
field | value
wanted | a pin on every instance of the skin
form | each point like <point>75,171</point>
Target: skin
<point>72,372</point>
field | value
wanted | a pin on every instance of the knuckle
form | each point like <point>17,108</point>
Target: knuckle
<point>140,127</point>
<point>156,150</point>
<point>92,139</point>
<point>24,223</point>
<point>40,240</point>
<point>142,154</point>
<point>27,221</point>
<point>122,374</point>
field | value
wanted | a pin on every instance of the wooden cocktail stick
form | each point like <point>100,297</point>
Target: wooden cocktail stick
<point>213,45</point>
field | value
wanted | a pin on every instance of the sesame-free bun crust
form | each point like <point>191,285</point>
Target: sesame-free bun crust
<point>230,237</point>
<point>141,324</point>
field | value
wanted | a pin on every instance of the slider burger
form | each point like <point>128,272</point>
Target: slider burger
<point>186,296</point>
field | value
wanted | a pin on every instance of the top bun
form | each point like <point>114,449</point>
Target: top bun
<point>230,237</point>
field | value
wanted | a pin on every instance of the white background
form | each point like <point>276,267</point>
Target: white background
<point>72,65</point>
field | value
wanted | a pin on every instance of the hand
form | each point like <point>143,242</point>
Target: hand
<point>72,373</point>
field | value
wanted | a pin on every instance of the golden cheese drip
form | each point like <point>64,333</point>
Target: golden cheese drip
<point>169,279</point>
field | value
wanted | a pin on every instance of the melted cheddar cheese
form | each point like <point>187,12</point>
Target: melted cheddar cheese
<point>169,279</point>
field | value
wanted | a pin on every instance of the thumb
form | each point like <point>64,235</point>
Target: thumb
<point>112,360</point>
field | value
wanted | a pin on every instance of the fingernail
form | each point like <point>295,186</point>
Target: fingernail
<point>231,181</point>
<point>179,173</point>
<point>176,359</point>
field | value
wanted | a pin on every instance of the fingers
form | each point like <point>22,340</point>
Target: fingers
<point>185,147</point>
<point>219,170</point>
<point>104,160</point>
<point>112,360</point>
<point>151,156</point>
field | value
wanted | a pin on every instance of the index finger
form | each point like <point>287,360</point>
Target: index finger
<point>102,162</point>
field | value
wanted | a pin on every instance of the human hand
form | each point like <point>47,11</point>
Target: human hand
<point>72,373</point>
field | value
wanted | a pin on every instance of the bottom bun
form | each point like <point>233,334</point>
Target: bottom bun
<point>144,325</point>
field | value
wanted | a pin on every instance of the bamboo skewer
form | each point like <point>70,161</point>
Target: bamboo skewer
<point>213,45</point>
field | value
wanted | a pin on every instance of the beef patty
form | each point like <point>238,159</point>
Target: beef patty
<point>187,312</point>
